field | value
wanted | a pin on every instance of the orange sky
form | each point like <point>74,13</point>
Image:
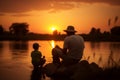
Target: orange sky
<point>42,15</point>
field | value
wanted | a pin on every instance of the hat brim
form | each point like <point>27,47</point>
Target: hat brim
<point>69,31</point>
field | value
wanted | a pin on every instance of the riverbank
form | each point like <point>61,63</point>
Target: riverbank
<point>82,71</point>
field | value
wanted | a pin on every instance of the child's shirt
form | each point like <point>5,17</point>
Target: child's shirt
<point>36,56</point>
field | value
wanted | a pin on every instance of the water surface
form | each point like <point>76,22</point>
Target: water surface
<point>15,60</point>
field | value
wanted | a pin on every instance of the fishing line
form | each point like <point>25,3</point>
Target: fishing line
<point>50,44</point>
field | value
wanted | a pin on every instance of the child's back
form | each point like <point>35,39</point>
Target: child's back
<point>36,56</point>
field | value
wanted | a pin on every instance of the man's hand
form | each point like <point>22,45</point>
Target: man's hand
<point>58,47</point>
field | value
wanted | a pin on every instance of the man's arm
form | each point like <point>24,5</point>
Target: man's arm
<point>64,50</point>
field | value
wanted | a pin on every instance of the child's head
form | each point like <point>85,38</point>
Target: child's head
<point>36,46</point>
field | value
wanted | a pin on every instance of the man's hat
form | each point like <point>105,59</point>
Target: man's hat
<point>70,29</point>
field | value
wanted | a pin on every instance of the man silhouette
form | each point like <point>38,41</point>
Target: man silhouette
<point>73,48</point>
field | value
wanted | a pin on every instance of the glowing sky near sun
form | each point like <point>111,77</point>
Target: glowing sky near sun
<point>42,15</point>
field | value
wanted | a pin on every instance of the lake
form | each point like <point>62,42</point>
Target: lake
<point>15,60</point>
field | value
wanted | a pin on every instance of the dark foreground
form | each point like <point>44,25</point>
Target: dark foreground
<point>81,71</point>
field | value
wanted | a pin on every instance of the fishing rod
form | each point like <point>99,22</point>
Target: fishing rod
<point>49,44</point>
<point>52,44</point>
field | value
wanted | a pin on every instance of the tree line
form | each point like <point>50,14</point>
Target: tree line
<point>22,29</point>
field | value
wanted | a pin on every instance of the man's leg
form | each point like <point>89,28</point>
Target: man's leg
<point>67,61</point>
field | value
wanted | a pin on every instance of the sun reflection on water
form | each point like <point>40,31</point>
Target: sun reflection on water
<point>52,43</point>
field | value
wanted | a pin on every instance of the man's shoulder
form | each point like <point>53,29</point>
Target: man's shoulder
<point>73,37</point>
<point>76,36</point>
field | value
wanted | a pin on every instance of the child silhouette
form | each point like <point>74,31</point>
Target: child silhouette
<point>37,59</point>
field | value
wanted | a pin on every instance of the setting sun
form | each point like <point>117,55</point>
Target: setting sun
<point>53,28</point>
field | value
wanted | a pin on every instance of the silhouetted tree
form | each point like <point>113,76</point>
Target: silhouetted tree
<point>98,31</point>
<point>93,31</point>
<point>95,34</point>
<point>1,30</point>
<point>115,30</point>
<point>106,33</point>
<point>55,32</point>
<point>19,28</point>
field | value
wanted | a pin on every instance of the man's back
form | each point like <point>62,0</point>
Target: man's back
<point>75,46</point>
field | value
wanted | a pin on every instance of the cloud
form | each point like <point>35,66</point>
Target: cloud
<point>58,6</point>
<point>2,14</point>
<point>18,6</point>
<point>20,15</point>
<point>15,6</point>
<point>15,14</point>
